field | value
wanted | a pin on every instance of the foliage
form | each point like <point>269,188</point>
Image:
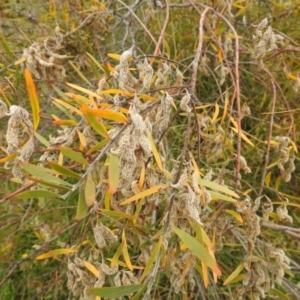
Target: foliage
<point>157,150</point>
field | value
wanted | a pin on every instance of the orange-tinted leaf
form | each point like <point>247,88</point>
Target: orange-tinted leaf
<point>113,173</point>
<point>65,122</point>
<point>153,190</point>
<point>8,158</point>
<point>90,191</point>
<point>109,114</point>
<point>33,98</point>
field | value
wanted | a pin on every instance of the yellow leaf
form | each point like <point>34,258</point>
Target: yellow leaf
<point>91,268</point>
<point>243,136</point>
<point>8,158</point>
<point>125,252</point>
<point>142,177</point>
<point>19,61</point>
<point>81,89</point>
<point>68,106</point>
<point>107,200</point>
<point>90,191</point>
<point>109,114</point>
<point>205,274</point>
<point>64,122</point>
<point>82,138</point>
<point>55,253</point>
<point>225,108</point>
<point>154,150</point>
<point>235,214</point>
<point>217,110</point>
<point>234,274</point>
<point>120,263</point>
<point>33,98</point>
<point>268,178</point>
<point>153,190</point>
<point>114,56</point>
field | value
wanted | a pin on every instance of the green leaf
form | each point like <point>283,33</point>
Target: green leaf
<point>280,294</point>
<point>74,155</point>
<point>234,274</point>
<point>198,250</point>
<point>43,173</point>
<point>82,207</point>
<point>113,173</point>
<point>36,194</point>
<point>222,197</point>
<point>218,187</point>
<point>151,260</point>
<point>116,291</point>
<point>63,170</point>
<point>42,139</point>
<point>80,74</point>
<point>96,124</point>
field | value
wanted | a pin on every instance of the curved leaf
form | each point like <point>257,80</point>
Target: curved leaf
<point>55,253</point>
<point>36,194</point>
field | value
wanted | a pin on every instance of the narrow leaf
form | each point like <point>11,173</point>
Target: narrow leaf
<point>36,194</point>
<point>117,214</point>
<point>154,150</point>
<point>33,98</point>
<point>63,170</point>
<point>116,291</point>
<point>97,125</point>
<point>43,174</point>
<point>55,253</point>
<point>113,173</point>
<point>217,110</point>
<point>109,115</point>
<point>218,187</point>
<point>235,214</point>
<point>8,158</point>
<point>81,89</point>
<point>198,250</point>
<point>90,191</point>
<point>234,274</point>
<point>81,74</point>
<point>82,138</point>
<point>151,259</point>
<point>91,268</point>
<point>74,155</point>
<point>125,252</point>
<point>222,197</point>
<point>153,190</point>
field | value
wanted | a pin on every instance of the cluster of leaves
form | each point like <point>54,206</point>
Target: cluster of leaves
<point>159,142</point>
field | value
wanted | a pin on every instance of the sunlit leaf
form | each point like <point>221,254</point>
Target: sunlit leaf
<point>216,114</point>
<point>114,292</point>
<point>81,89</point>
<point>198,250</point>
<point>221,197</point>
<point>152,190</point>
<point>33,98</point>
<point>65,122</point>
<point>82,138</point>
<point>109,115</point>
<point>55,253</point>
